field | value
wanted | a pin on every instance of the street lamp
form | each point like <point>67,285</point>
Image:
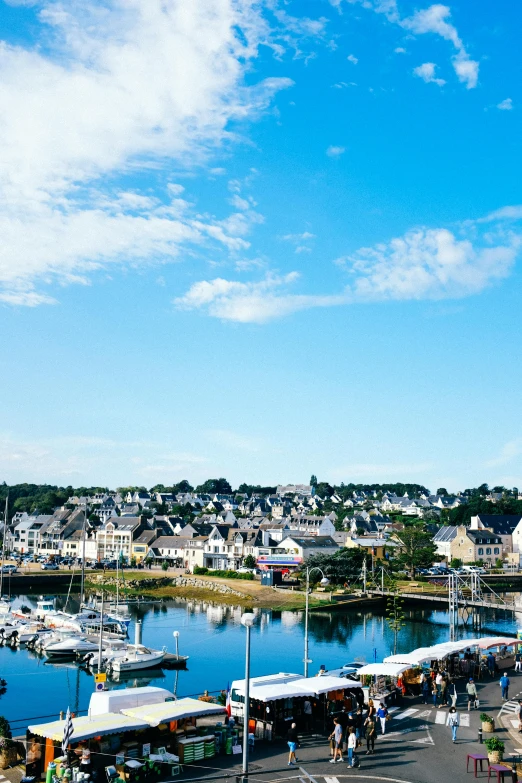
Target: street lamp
<point>324,581</point>
<point>247,620</point>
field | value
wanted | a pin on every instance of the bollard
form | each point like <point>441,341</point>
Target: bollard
<point>514,778</point>
<point>480,736</point>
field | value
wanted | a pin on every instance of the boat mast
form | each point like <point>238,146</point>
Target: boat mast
<point>117,583</point>
<point>82,591</point>
<point>3,544</point>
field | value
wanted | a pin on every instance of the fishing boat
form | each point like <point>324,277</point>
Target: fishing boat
<point>136,657</point>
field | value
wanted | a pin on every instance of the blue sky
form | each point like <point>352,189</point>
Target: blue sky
<point>260,240</point>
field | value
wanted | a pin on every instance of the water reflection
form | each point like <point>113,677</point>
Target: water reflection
<point>212,635</point>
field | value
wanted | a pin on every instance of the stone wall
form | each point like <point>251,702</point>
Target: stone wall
<point>165,581</point>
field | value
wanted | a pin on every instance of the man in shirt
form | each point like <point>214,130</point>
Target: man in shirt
<point>307,711</point>
<point>504,684</point>
<point>491,664</point>
<point>518,662</point>
<point>471,690</point>
<point>337,735</point>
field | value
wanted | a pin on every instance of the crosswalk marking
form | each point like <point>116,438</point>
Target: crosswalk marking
<point>392,709</point>
<point>331,780</point>
<point>464,720</point>
<point>424,714</point>
<point>514,723</point>
<point>405,714</point>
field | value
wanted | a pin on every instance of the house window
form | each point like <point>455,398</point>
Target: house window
<point>496,551</point>
<point>488,550</point>
<point>480,550</point>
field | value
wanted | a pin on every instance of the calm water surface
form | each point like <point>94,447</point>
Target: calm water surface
<point>215,641</point>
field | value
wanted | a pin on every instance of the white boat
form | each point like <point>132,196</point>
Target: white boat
<point>65,648</point>
<point>26,631</point>
<point>136,657</point>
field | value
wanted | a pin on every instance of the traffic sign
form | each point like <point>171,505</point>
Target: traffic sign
<point>100,678</point>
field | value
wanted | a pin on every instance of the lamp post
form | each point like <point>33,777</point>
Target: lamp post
<point>247,620</point>
<point>175,634</point>
<point>324,581</point>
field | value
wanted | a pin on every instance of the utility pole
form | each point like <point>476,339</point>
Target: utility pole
<point>364,575</point>
<point>3,544</point>
<point>82,590</point>
<point>453,600</point>
<point>101,635</point>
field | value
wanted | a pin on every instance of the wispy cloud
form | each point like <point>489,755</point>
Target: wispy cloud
<point>426,72</point>
<point>510,451</point>
<point>505,105</point>
<point>352,59</point>
<point>103,96</point>
<point>334,151</point>
<point>424,264</point>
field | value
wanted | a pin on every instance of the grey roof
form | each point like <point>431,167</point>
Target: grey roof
<point>483,537</point>
<point>445,534</point>
<point>501,524</point>
<point>312,542</point>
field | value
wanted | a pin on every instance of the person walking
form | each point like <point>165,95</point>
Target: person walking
<point>371,709</point>
<point>443,686</point>
<point>359,723</point>
<point>293,742</point>
<point>337,736</point>
<point>369,733</point>
<point>438,683</point>
<point>518,662</point>
<point>425,691</point>
<point>434,693</point>
<point>471,690</point>
<point>307,711</point>
<point>382,714</point>
<point>491,663</point>
<point>453,722</point>
<point>504,684</point>
<point>352,744</point>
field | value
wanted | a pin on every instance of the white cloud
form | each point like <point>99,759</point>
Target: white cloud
<point>428,264</point>
<point>255,302</point>
<point>426,72</point>
<point>505,105</point>
<point>298,237</point>
<point>335,152</point>
<point>352,59</point>
<point>116,87</point>
<point>400,50</point>
<point>513,212</point>
<point>435,20</point>
<point>424,264</point>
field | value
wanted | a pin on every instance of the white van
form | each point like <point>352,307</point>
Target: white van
<point>474,569</point>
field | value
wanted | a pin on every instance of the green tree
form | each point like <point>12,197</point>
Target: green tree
<point>313,480</point>
<point>182,486</point>
<point>395,614</point>
<point>250,561</point>
<point>455,562</point>
<point>213,486</point>
<point>340,567</point>
<point>415,548</point>
<point>442,491</point>
<point>165,565</point>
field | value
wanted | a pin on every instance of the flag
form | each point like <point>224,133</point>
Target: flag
<point>68,731</point>
<point>228,704</point>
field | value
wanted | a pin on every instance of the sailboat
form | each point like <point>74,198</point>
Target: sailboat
<point>5,603</point>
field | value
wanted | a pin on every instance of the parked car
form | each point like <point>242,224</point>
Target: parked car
<point>50,566</point>
<point>245,570</point>
<point>9,569</point>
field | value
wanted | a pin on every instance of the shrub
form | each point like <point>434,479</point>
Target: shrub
<point>5,728</point>
<point>200,570</point>
<point>485,718</point>
<point>165,565</point>
<point>494,743</point>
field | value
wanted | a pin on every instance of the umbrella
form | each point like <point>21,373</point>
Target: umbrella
<point>68,731</point>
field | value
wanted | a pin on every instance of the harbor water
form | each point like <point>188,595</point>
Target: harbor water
<point>214,638</point>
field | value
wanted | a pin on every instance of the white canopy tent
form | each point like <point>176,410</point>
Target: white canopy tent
<point>154,714</point>
<point>383,669</point>
<point>439,651</point>
<point>87,727</point>
<point>292,686</point>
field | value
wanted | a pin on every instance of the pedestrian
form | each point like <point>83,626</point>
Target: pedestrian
<point>352,744</point>
<point>359,723</point>
<point>337,736</point>
<point>434,693</point>
<point>382,714</point>
<point>443,686</point>
<point>307,711</point>
<point>369,733</point>
<point>491,663</point>
<point>518,662</point>
<point>425,691</point>
<point>471,690</point>
<point>371,709</point>
<point>504,684</point>
<point>453,722</point>
<point>520,716</point>
<point>438,683</point>
<point>293,741</point>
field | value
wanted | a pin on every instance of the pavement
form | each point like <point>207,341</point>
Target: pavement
<point>416,748</point>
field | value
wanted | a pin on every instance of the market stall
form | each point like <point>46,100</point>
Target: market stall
<point>385,681</point>
<point>276,701</point>
<point>137,741</point>
<point>464,658</point>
